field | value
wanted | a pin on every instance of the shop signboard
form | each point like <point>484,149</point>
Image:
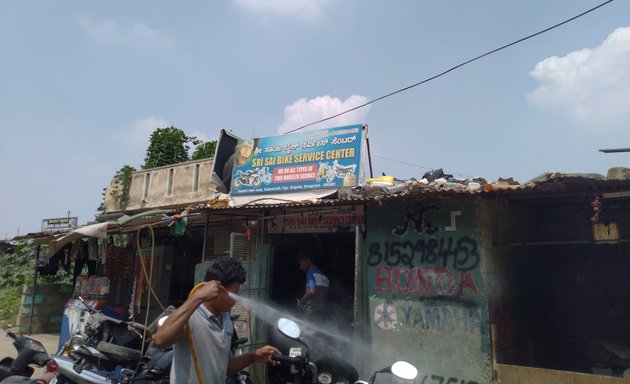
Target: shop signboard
<point>322,159</point>
<point>324,220</point>
<point>59,224</point>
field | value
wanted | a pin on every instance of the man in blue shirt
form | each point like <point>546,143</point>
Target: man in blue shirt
<point>315,298</point>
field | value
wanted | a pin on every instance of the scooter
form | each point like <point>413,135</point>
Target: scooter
<point>29,351</point>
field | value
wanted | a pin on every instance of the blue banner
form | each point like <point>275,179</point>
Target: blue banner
<point>323,159</point>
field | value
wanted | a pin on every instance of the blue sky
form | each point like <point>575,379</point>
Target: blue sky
<point>84,83</point>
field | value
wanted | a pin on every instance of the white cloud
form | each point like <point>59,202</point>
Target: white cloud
<point>592,86</point>
<point>138,135</point>
<point>111,31</point>
<point>304,111</point>
<point>309,10</point>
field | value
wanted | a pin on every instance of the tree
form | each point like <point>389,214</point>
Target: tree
<point>168,146</point>
<point>205,150</point>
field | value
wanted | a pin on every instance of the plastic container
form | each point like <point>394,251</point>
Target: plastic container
<point>381,181</point>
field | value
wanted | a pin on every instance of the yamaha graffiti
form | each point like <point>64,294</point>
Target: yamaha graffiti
<point>430,316</point>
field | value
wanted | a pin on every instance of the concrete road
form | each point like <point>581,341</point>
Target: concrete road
<point>50,342</point>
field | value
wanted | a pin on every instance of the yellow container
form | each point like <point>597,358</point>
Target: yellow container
<point>381,181</point>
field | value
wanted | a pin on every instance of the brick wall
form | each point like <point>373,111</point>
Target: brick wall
<point>46,305</point>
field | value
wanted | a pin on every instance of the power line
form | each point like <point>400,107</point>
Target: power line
<point>452,68</point>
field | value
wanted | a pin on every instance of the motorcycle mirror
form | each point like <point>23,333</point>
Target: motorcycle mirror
<point>162,320</point>
<point>288,328</point>
<point>404,370</point>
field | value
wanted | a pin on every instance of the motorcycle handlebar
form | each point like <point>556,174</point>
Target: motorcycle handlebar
<point>287,359</point>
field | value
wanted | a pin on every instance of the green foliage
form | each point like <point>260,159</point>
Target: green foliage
<point>168,146</point>
<point>17,267</point>
<point>205,150</point>
<point>120,189</point>
<point>10,298</point>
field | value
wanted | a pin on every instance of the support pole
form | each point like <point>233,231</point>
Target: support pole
<point>367,143</point>
<point>359,305</point>
<point>30,315</point>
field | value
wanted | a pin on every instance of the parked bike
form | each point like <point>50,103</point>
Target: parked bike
<point>301,369</point>
<point>19,370</point>
<point>405,373</point>
<point>109,351</point>
<point>241,377</point>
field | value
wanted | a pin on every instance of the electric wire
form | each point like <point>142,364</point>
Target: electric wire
<point>452,68</point>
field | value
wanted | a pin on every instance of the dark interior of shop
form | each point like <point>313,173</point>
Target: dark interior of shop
<point>573,300</point>
<point>334,255</point>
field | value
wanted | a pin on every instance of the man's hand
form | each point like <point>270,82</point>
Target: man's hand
<point>264,354</point>
<point>209,291</point>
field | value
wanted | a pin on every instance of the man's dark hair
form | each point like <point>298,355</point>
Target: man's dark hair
<point>227,270</point>
<point>304,255</point>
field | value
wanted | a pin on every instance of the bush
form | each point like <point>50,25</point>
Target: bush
<point>17,268</point>
<point>9,305</point>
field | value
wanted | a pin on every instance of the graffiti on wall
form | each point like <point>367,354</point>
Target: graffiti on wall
<point>430,316</point>
<point>460,253</point>
<point>424,281</point>
<point>424,263</point>
<point>437,379</point>
<point>425,284</point>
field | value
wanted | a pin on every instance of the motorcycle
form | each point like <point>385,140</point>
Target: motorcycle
<point>241,377</point>
<point>252,177</point>
<point>405,373</point>
<point>109,350</point>
<point>29,351</point>
<point>333,372</point>
<point>302,370</point>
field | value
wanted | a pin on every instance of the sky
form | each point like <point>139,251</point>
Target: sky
<point>84,83</point>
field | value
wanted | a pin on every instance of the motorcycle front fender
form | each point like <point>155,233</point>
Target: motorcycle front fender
<point>66,369</point>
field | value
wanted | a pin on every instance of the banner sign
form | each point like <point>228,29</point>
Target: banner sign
<point>59,224</point>
<point>318,221</point>
<point>323,159</point>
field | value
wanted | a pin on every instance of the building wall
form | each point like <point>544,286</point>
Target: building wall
<point>181,183</point>
<point>427,296</point>
<point>44,308</point>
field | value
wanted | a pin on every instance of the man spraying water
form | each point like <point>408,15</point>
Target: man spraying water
<point>201,329</point>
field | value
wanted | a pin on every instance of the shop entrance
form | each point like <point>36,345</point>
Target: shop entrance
<point>333,253</point>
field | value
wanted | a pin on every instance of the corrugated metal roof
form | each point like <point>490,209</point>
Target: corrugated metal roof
<point>548,184</point>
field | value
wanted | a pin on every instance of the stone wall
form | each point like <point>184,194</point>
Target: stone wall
<point>46,305</point>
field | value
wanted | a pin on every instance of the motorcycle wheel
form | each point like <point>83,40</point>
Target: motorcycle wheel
<point>237,183</point>
<point>118,351</point>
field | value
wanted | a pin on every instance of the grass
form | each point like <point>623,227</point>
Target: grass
<point>9,305</point>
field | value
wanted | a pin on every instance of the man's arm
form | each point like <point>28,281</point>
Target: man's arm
<point>170,331</point>
<point>237,363</point>
<point>308,295</point>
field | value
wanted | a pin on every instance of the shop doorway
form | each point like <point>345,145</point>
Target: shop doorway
<point>333,253</point>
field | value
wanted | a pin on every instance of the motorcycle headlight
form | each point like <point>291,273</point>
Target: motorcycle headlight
<point>342,381</point>
<point>75,342</point>
<point>324,378</point>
